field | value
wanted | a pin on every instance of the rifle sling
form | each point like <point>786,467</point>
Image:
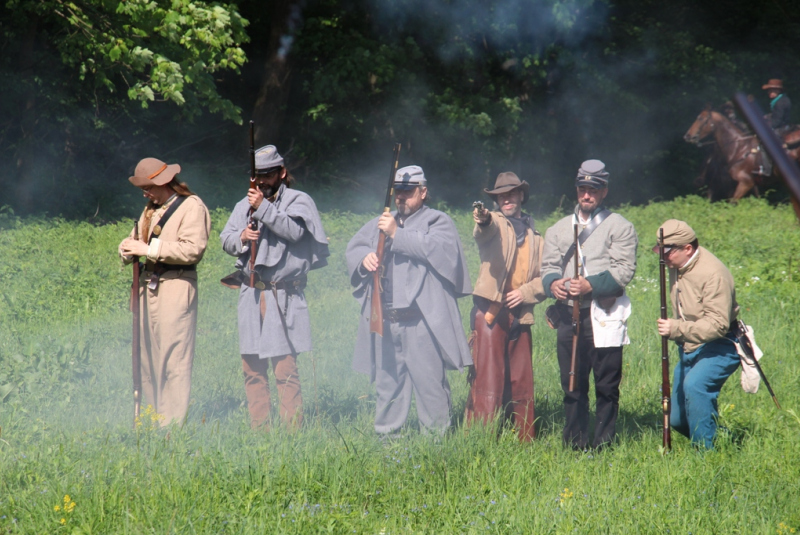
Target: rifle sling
<point>584,235</point>
<point>164,218</point>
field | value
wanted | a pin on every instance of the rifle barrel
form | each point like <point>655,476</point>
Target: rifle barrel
<point>576,315</point>
<point>665,388</point>
<point>253,223</point>
<point>376,306</point>
<point>136,349</point>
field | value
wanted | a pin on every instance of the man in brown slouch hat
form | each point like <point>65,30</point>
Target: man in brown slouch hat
<point>509,285</point>
<point>173,235</point>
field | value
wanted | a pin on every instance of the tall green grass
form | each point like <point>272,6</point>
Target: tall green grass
<point>66,409</point>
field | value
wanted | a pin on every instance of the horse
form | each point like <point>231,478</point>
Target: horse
<point>740,151</point>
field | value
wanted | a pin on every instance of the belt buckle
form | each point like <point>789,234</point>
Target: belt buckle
<point>392,315</point>
<point>260,286</point>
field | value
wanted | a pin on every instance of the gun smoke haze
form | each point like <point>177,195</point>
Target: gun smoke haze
<point>588,118</point>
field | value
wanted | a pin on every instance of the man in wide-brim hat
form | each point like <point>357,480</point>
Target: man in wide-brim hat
<point>173,234</point>
<point>779,105</point>
<point>509,285</point>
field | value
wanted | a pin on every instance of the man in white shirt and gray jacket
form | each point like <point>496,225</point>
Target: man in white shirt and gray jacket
<point>607,262</point>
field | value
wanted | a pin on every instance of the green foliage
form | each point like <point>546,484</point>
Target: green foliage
<point>66,418</point>
<point>165,50</point>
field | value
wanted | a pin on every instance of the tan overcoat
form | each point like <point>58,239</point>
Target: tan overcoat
<point>169,313</point>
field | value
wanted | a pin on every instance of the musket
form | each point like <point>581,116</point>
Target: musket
<point>576,316</point>
<point>136,348</point>
<point>665,390</point>
<point>376,307</point>
<point>786,166</point>
<point>744,341</point>
<point>253,223</point>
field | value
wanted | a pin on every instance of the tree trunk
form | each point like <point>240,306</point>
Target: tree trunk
<point>270,106</point>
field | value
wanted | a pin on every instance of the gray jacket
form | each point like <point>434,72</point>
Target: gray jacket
<point>291,243</point>
<point>428,269</point>
<point>609,254</point>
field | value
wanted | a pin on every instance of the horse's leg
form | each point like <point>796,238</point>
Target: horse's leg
<point>744,182</point>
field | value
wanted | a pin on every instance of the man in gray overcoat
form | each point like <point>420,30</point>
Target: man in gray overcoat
<point>424,273</point>
<point>274,324</point>
<point>607,262</point>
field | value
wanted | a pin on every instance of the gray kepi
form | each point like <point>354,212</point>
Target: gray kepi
<point>506,182</point>
<point>268,159</point>
<point>593,174</point>
<point>409,177</point>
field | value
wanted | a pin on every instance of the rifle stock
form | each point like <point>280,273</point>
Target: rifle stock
<point>136,349</point>
<point>376,306</point>
<point>665,389</point>
<point>576,316</point>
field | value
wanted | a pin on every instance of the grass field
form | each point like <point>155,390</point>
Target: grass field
<point>70,461</point>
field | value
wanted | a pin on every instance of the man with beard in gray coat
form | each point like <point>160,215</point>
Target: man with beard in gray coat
<point>274,325</point>
<point>424,274</point>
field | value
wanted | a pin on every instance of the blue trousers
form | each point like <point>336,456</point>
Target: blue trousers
<point>698,378</point>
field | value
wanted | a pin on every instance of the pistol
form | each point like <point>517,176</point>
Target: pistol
<point>478,205</point>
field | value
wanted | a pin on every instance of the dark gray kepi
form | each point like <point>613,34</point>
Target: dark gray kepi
<point>593,174</point>
<point>506,182</point>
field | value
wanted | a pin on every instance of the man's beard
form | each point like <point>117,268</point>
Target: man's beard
<point>269,191</point>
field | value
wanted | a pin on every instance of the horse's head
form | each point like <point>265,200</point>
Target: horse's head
<point>703,126</point>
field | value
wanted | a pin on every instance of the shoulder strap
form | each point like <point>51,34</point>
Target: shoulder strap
<point>164,218</point>
<point>584,235</point>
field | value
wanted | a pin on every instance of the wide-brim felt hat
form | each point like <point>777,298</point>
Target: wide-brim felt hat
<point>773,83</point>
<point>153,172</point>
<point>506,182</point>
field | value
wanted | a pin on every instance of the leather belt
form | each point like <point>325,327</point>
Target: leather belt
<point>160,267</point>
<point>288,285</point>
<point>402,315</point>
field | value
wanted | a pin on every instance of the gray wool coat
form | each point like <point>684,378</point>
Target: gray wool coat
<point>292,243</point>
<point>609,254</point>
<point>428,268</point>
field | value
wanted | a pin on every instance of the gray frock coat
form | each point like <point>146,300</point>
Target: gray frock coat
<point>292,243</point>
<point>428,268</point>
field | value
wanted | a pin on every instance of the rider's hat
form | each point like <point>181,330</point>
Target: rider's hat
<point>774,83</point>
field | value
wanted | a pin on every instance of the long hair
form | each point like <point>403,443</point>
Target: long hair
<point>180,188</point>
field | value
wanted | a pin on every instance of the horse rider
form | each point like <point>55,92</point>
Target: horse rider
<point>778,118</point>
<point>779,105</point>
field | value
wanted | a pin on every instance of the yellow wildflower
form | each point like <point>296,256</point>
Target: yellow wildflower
<point>57,508</point>
<point>63,521</point>
<point>67,499</point>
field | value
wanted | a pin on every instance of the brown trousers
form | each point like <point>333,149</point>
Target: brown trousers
<point>256,387</point>
<point>503,374</point>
